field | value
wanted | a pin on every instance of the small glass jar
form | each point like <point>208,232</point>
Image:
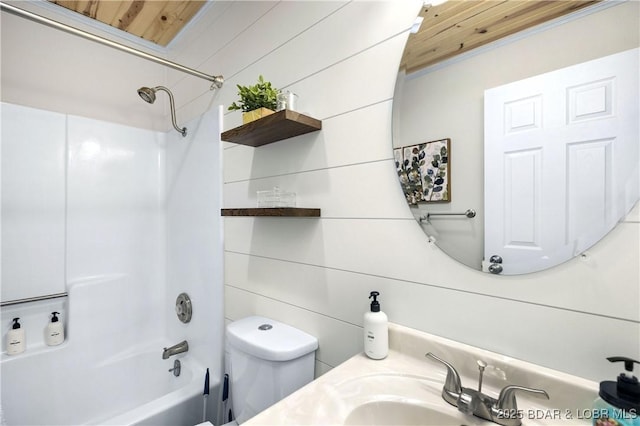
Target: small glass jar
<point>276,198</point>
<point>286,100</point>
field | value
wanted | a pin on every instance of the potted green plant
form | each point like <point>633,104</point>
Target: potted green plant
<point>256,101</point>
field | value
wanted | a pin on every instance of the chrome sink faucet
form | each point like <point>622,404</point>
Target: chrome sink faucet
<point>503,410</point>
<point>175,349</point>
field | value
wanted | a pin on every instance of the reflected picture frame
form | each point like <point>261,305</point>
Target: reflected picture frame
<point>424,171</point>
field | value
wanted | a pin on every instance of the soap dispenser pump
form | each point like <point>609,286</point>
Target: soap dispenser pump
<point>55,330</point>
<point>16,338</point>
<point>619,400</point>
<point>376,330</point>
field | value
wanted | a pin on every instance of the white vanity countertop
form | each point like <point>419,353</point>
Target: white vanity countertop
<point>406,375</point>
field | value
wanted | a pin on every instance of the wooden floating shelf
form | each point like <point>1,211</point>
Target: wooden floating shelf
<point>272,212</point>
<point>272,128</point>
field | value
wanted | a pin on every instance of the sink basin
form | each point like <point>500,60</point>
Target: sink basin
<point>394,399</point>
<point>392,413</point>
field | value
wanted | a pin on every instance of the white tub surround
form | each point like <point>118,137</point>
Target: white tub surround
<point>129,247</point>
<point>101,374</point>
<point>406,377</point>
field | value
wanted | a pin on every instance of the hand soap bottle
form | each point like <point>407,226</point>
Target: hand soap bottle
<point>376,330</point>
<point>619,402</point>
<point>15,338</point>
<point>55,330</point>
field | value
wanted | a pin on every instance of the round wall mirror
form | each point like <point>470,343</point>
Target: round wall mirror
<point>516,144</point>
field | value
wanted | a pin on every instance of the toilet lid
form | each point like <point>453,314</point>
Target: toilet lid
<point>270,340</point>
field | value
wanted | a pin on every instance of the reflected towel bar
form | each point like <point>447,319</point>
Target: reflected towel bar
<point>470,213</point>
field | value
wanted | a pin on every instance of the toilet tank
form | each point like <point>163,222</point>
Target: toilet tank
<point>268,360</point>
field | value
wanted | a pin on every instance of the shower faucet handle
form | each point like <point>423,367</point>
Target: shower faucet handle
<point>177,368</point>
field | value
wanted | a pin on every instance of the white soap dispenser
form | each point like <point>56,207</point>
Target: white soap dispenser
<point>15,338</point>
<point>55,330</point>
<point>376,330</point>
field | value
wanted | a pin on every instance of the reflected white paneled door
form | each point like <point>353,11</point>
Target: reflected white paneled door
<point>561,161</point>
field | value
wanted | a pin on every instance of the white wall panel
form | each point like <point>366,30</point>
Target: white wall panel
<point>524,328</point>
<point>33,202</point>
<point>213,26</point>
<point>114,199</point>
<point>340,191</point>
<point>89,196</point>
<point>245,32</point>
<point>370,246</point>
<point>63,79</point>
<point>214,54</point>
<point>337,340</point>
<point>331,292</point>
<point>347,85</point>
<point>337,39</point>
<point>352,138</point>
<point>194,240</point>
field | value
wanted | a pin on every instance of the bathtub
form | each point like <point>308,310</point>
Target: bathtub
<point>52,386</point>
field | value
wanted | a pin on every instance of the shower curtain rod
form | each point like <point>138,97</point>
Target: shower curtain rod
<point>216,80</point>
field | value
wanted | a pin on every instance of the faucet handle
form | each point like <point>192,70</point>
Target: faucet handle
<point>507,398</point>
<point>452,385</point>
<point>452,382</point>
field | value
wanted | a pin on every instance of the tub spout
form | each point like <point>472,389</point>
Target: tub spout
<point>175,349</point>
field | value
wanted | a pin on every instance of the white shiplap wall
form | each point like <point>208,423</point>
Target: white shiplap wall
<point>341,58</point>
<point>45,68</point>
<point>353,146</point>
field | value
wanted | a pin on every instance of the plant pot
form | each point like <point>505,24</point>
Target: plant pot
<point>250,116</point>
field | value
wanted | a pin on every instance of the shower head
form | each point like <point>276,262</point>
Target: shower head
<point>148,95</point>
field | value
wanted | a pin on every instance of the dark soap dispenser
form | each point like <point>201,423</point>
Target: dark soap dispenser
<point>619,401</point>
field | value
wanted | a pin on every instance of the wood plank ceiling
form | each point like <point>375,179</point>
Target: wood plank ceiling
<point>155,20</point>
<point>448,29</point>
<point>459,26</point>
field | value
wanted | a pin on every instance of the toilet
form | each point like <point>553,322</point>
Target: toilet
<point>266,361</point>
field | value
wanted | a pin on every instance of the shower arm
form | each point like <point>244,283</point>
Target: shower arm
<point>216,80</point>
<point>182,131</point>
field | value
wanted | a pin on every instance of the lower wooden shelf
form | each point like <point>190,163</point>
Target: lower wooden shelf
<point>272,212</point>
